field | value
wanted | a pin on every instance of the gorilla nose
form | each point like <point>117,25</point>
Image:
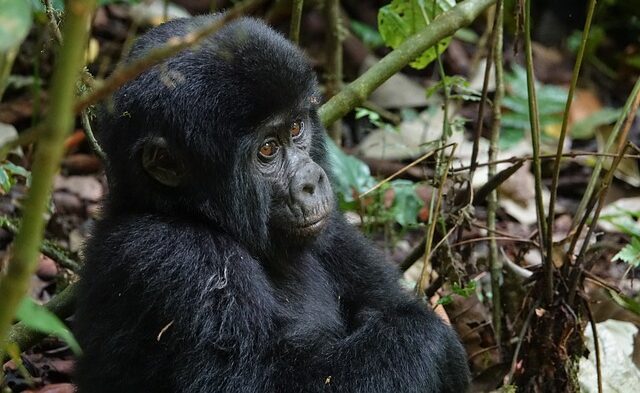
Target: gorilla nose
<point>308,185</point>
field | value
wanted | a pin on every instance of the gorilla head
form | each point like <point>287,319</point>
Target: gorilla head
<point>225,132</point>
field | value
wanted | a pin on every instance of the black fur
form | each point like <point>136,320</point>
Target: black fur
<point>189,288</point>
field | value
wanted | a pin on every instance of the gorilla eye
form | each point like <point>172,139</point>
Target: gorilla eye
<point>296,128</point>
<point>268,149</point>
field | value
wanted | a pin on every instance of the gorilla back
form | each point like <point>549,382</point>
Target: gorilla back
<point>221,264</point>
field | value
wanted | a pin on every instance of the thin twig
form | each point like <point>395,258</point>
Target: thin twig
<point>516,352</point>
<point>555,178</point>
<point>596,344</point>
<point>488,238</point>
<point>433,220</point>
<point>47,247</point>
<point>535,142</point>
<point>95,146</point>
<point>405,168</point>
<point>441,241</point>
<point>473,164</point>
<point>571,154</point>
<point>494,260</point>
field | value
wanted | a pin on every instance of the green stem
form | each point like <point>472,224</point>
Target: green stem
<point>494,258</point>
<point>535,141</point>
<point>296,16</point>
<point>333,67</point>
<point>59,123</point>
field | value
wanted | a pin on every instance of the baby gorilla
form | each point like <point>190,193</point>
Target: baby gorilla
<point>221,263</point>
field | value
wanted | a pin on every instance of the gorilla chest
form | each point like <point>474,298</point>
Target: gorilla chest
<point>308,301</point>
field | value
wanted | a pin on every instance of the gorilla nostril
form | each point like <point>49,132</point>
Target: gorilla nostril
<point>309,189</point>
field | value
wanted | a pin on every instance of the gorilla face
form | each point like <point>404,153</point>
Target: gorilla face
<point>301,197</point>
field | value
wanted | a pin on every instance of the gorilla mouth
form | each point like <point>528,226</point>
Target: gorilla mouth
<point>313,224</point>
<point>314,221</point>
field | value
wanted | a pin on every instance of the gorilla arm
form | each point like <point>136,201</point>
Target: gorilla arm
<point>411,348</point>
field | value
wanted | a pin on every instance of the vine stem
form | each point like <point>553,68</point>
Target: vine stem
<point>58,124</point>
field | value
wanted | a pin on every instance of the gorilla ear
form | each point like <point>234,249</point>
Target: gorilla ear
<point>161,164</point>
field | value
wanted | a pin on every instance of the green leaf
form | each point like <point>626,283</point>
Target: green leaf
<point>15,22</point>
<point>460,88</point>
<point>5,181</point>
<point>625,302</point>
<point>465,291</point>
<point>367,34</point>
<point>349,174</point>
<point>444,300</point>
<point>40,319</point>
<point>402,18</point>
<point>406,203</point>
<point>586,128</point>
<point>551,102</point>
<point>630,253</point>
<point>16,170</point>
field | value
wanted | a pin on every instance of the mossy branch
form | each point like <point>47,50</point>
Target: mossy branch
<point>58,124</point>
<point>441,27</point>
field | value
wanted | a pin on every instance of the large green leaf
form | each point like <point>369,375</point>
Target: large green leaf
<point>40,319</point>
<point>15,22</point>
<point>402,18</point>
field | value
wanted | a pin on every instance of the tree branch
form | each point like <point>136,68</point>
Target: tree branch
<point>441,27</point>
